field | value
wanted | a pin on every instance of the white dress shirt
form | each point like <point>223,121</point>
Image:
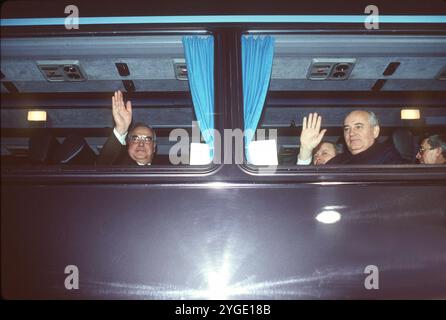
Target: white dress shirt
<point>303,162</point>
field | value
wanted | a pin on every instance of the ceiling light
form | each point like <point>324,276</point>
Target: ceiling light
<point>37,115</point>
<point>410,114</point>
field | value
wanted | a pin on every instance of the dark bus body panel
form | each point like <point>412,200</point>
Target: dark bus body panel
<point>161,241</point>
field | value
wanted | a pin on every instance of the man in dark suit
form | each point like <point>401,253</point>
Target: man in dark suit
<point>361,130</point>
<point>136,147</point>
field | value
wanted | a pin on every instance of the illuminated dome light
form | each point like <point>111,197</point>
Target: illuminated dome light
<point>36,115</point>
<point>328,217</point>
<point>410,114</point>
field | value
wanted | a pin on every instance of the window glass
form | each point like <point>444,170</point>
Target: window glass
<point>57,108</point>
<point>333,103</point>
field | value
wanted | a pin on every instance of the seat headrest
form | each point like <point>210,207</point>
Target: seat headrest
<point>74,150</point>
<point>40,147</point>
<point>403,140</point>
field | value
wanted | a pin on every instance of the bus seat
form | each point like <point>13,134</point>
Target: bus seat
<point>41,145</point>
<point>403,140</point>
<point>74,150</point>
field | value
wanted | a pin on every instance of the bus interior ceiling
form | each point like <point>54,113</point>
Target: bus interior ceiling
<point>382,73</point>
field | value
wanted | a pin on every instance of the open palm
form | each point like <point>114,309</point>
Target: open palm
<point>311,134</point>
<point>122,113</point>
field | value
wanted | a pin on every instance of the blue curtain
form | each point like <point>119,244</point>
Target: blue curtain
<point>257,62</point>
<point>199,52</point>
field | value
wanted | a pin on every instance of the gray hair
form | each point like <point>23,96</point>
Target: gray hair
<point>373,119</point>
<point>143,125</point>
<point>438,141</point>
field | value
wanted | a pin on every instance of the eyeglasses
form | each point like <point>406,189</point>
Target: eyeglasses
<point>137,139</point>
<point>422,150</point>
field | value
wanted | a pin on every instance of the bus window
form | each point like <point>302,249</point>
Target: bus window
<point>57,108</point>
<point>300,75</point>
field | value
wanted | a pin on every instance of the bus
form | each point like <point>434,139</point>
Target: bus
<point>224,211</point>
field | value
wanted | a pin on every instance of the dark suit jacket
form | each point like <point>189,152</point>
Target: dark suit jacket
<point>113,152</point>
<point>378,153</point>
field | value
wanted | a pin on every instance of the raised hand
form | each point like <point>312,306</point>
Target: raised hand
<point>311,135</point>
<point>122,113</point>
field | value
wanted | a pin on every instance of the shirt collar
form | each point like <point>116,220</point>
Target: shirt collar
<point>142,164</point>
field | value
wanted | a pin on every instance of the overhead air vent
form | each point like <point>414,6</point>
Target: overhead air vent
<point>123,69</point>
<point>442,74</point>
<point>129,85</point>
<point>61,70</point>
<point>379,84</point>
<point>10,87</point>
<point>391,68</point>
<point>330,69</point>
<point>180,69</point>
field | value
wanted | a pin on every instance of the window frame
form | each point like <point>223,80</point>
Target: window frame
<point>339,173</point>
<point>73,172</point>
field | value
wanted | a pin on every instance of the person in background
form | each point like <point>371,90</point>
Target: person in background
<point>324,152</point>
<point>433,150</point>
